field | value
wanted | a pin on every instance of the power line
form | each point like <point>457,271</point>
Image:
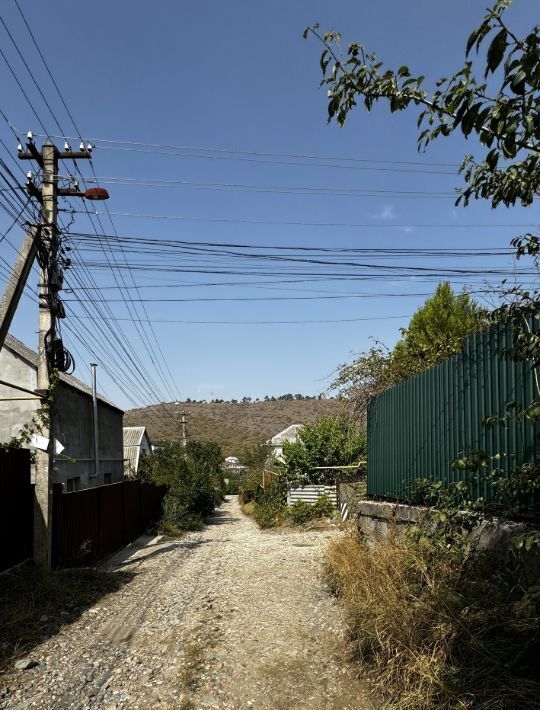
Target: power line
<point>277,189</point>
<point>165,146</point>
<point>141,332</point>
<point>371,225</point>
<point>47,68</point>
<point>276,322</point>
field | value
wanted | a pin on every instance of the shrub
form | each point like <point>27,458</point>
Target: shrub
<point>269,505</point>
<point>323,507</point>
<point>438,631</point>
<point>300,512</point>
<point>195,483</point>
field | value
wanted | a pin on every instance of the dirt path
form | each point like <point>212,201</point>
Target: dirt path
<point>230,617</point>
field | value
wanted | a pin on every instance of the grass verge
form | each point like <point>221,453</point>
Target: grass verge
<point>434,630</point>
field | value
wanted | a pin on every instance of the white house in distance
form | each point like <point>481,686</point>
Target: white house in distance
<point>136,444</point>
<point>231,462</point>
<point>277,441</point>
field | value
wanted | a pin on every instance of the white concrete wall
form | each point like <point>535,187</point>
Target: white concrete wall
<point>16,413</point>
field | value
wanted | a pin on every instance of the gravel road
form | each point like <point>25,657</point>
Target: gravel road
<point>230,617</point>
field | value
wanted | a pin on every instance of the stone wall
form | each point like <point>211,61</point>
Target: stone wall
<point>377,519</point>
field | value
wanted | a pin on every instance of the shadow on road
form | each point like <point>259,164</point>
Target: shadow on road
<point>221,517</point>
<point>36,604</point>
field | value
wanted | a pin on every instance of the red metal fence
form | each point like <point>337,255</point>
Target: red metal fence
<point>90,524</point>
<point>16,507</point>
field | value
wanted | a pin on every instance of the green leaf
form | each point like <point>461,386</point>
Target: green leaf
<point>324,62</point>
<point>492,158</point>
<point>518,81</point>
<point>496,51</point>
<point>472,38</point>
<point>469,119</point>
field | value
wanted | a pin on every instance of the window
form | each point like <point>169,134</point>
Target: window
<point>107,478</point>
<point>73,484</point>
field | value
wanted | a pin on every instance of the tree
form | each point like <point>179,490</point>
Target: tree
<point>506,122</point>
<point>502,109</point>
<point>334,440</point>
<point>435,332</point>
<point>194,479</point>
<point>438,328</point>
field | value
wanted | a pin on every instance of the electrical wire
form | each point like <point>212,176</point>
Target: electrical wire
<point>370,225</point>
<point>349,159</point>
<point>274,189</point>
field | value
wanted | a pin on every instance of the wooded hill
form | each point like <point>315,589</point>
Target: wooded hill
<point>232,425</point>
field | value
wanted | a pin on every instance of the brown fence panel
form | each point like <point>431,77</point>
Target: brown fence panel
<point>16,507</point>
<point>151,498</point>
<point>111,503</point>
<point>132,523</point>
<point>76,528</point>
<point>90,524</point>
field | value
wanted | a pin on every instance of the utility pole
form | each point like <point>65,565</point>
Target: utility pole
<point>93,365</point>
<point>51,353</point>
<point>17,281</point>
<point>183,424</point>
<point>45,459</point>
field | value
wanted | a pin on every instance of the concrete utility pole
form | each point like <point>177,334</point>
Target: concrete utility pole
<point>183,424</point>
<point>51,353</point>
<point>93,365</point>
<point>45,459</point>
<point>17,282</point>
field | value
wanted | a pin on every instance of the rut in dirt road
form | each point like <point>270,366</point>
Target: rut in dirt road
<point>230,617</point>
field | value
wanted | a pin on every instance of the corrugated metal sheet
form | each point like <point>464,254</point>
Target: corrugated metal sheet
<point>418,427</point>
<point>131,460</point>
<point>133,435</point>
<point>309,494</point>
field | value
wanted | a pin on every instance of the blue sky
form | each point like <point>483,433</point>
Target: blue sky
<point>238,76</point>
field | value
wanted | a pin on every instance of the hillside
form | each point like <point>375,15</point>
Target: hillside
<point>233,425</point>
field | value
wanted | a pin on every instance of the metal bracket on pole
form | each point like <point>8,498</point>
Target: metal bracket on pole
<point>17,281</point>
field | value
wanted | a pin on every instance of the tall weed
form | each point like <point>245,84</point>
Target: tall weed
<point>434,630</point>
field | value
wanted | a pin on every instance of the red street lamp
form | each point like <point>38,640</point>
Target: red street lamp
<point>96,193</point>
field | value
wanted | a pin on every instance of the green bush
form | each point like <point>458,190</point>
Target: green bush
<point>195,483</point>
<point>270,505</point>
<point>330,441</point>
<point>300,512</point>
<point>323,507</point>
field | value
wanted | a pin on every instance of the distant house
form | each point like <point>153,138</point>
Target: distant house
<point>277,441</point>
<point>74,428</point>
<point>231,462</point>
<point>136,444</point>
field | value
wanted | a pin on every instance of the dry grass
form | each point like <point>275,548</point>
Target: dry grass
<point>248,508</point>
<point>434,631</point>
<point>233,426</point>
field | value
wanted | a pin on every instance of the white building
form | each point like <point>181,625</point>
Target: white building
<point>136,444</point>
<point>277,441</point>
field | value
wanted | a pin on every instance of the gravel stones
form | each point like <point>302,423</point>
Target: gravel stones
<point>230,617</point>
<point>25,664</point>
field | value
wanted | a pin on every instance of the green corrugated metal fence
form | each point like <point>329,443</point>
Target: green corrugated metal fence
<point>418,427</point>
